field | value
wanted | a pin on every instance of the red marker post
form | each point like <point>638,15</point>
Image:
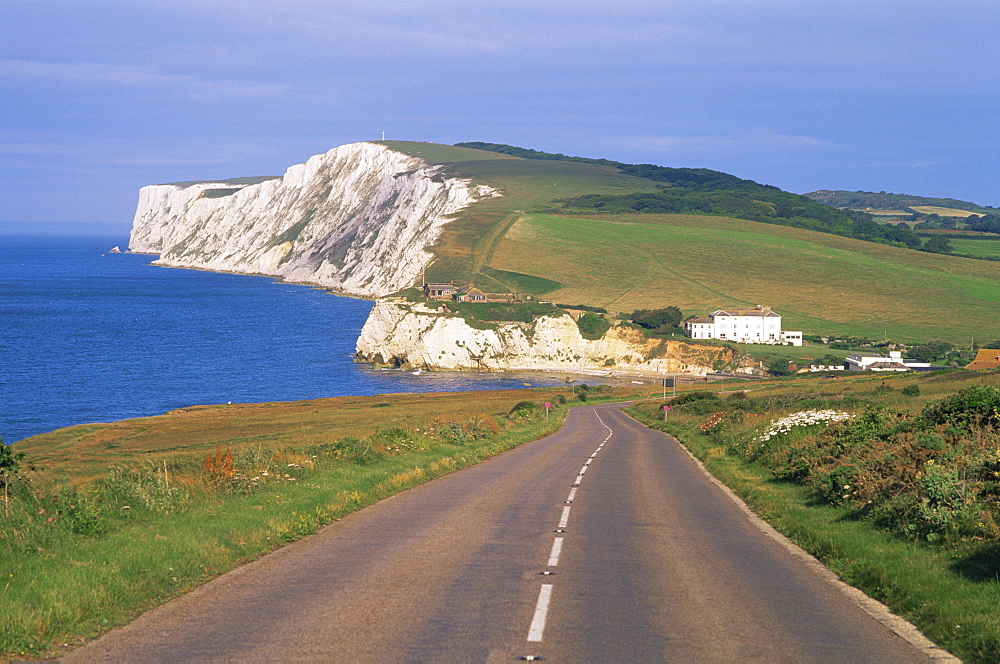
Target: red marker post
<point>548,404</point>
<point>666,409</point>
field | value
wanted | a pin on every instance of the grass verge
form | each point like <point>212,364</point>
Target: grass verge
<point>77,559</point>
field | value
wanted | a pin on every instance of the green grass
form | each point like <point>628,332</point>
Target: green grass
<point>819,283</point>
<point>979,247</point>
<point>66,577</point>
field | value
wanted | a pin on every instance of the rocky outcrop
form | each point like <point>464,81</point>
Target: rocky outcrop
<point>357,219</point>
<point>413,336</point>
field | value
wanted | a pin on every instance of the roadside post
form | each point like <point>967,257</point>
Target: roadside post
<point>548,404</point>
<point>666,409</point>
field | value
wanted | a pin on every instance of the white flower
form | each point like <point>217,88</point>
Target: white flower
<point>800,419</point>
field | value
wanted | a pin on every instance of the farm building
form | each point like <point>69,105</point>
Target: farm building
<point>874,362</point>
<point>440,291</point>
<point>470,294</point>
<point>986,358</point>
<point>756,325</point>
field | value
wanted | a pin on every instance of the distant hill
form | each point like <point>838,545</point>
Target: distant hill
<point>867,200</point>
<point>704,191</point>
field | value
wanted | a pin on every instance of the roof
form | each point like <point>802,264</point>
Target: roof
<point>701,319</point>
<point>439,286</point>
<point>760,312</point>
<point>986,358</point>
<point>887,365</point>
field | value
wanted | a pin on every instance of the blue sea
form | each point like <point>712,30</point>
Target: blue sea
<point>91,336</point>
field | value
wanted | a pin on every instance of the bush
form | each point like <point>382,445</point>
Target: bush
<point>695,396</point>
<point>592,326</point>
<point>979,404</point>
<point>659,320</point>
<point>778,366</point>
<point>911,391</point>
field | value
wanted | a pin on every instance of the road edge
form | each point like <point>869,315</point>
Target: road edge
<point>877,610</point>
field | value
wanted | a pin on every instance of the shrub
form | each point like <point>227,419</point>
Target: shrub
<point>695,396</point>
<point>979,403</point>
<point>592,326</point>
<point>523,408</point>
<point>659,320</point>
<point>128,489</point>
<point>911,391</point>
<point>221,465</point>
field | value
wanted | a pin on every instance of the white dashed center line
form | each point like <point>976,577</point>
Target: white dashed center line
<point>545,593</point>
<point>565,517</point>
<point>556,550</point>
<point>541,611</point>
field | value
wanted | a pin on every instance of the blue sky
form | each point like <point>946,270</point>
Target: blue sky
<point>98,98</point>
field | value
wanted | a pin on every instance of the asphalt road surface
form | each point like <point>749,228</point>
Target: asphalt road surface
<point>602,543</point>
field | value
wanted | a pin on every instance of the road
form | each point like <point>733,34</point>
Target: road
<point>604,542</point>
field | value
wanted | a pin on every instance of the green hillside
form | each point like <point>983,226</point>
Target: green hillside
<point>868,200</point>
<point>527,241</point>
<point>819,282</point>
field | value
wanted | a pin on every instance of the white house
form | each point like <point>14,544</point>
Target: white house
<point>757,325</point>
<point>874,362</point>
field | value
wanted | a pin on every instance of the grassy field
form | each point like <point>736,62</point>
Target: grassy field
<point>941,211</point>
<point>820,283</point>
<point>80,454</point>
<point>466,245</point>
<point>981,247</point>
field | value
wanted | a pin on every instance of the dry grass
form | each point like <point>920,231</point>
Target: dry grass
<point>941,211</point>
<point>185,437</point>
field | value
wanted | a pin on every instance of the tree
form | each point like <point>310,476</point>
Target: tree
<point>778,366</point>
<point>940,348</point>
<point>660,320</point>
<point>937,245</point>
<point>922,353</point>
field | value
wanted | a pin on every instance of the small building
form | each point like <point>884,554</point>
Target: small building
<point>756,325</point>
<point>440,291</point>
<point>470,294</point>
<point>986,358</point>
<point>862,361</point>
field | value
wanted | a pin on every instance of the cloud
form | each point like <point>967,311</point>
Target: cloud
<point>137,77</point>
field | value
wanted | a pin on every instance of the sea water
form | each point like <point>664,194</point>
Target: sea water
<point>92,336</point>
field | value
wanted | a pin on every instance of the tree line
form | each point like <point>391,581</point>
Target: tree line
<point>705,191</point>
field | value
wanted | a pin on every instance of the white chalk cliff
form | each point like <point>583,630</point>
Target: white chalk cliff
<point>357,219</point>
<point>413,336</point>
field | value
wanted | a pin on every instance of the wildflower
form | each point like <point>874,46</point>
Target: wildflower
<point>800,419</point>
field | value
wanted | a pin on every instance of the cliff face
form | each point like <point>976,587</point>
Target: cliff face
<point>356,219</point>
<point>412,336</point>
